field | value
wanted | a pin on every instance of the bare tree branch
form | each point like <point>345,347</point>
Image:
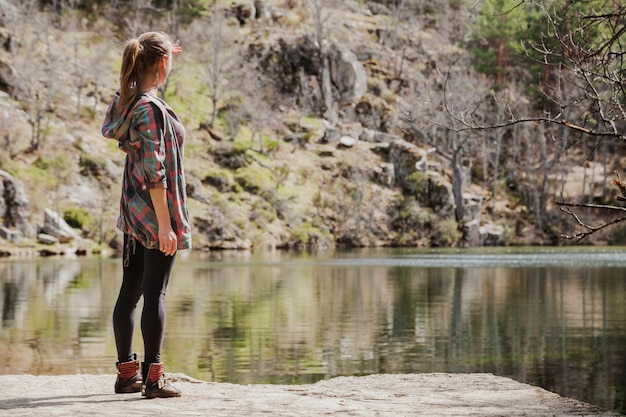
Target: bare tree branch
<point>589,229</point>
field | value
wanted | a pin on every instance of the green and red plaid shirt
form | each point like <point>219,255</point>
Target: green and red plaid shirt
<point>153,138</point>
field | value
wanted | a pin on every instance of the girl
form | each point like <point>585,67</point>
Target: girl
<point>153,209</point>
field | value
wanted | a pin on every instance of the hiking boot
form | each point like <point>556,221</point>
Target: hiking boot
<point>128,377</point>
<point>155,384</point>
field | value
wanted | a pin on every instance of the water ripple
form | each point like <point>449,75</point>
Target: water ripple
<point>452,258</point>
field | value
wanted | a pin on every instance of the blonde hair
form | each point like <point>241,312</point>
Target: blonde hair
<point>140,55</point>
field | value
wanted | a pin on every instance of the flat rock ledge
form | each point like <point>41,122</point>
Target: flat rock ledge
<point>436,394</point>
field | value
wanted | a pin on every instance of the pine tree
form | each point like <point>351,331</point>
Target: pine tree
<point>496,39</point>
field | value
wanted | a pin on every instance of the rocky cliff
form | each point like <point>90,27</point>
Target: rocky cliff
<point>301,130</point>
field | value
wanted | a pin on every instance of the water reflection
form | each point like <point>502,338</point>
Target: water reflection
<point>553,318</point>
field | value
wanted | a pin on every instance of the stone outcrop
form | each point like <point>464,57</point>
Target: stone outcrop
<point>347,74</point>
<point>331,135</point>
<point>412,395</point>
<point>14,206</point>
<point>404,156</point>
<point>370,135</point>
<point>298,66</point>
<point>54,225</point>
<point>243,11</point>
<point>216,231</point>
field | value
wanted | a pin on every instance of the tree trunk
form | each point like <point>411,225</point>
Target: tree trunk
<point>457,182</point>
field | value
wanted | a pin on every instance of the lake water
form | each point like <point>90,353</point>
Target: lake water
<point>551,317</point>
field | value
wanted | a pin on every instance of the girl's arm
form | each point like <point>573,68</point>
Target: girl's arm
<point>167,238</point>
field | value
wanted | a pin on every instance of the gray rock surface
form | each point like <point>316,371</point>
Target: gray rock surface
<point>482,395</point>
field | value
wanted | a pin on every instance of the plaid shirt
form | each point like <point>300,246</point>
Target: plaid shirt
<point>153,138</point>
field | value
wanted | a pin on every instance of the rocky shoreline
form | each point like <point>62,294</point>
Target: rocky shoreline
<point>39,251</point>
<point>405,395</point>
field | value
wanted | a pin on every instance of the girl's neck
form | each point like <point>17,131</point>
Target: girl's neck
<point>149,86</point>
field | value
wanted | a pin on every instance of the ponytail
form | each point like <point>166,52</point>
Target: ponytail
<point>128,74</point>
<point>140,55</point>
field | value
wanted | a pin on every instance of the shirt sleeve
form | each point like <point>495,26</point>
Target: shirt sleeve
<point>149,127</point>
<point>108,125</point>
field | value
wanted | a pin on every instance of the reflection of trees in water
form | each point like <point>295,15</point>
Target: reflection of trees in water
<point>16,278</point>
<point>279,324</point>
<point>18,346</point>
<point>550,327</point>
<point>46,306</point>
<point>556,328</point>
<point>275,323</point>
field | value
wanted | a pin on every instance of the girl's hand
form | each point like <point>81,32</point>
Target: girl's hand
<point>167,237</point>
<point>167,241</point>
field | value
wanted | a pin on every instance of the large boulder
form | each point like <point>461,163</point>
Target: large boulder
<point>492,234</point>
<point>55,225</point>
<point>215,230</point>
<point>405,156</point>
<point>347,74</point>
<point>331,135</point>
<point>298,67</point>
<point>10,235</point>
<point>15,206</point>
<point>430,188</point>
<point>438,193</point>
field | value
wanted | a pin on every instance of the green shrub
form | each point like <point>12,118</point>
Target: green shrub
<point>222,179</point>
<point>78,217</point>
<point>310,236</point>
<point>230,156</point>
<point>59,163</point>
<point>91,165</point>
<point>446,233</point>
<point>270,144</point>
<point>254,179</point>
<point>416,183</point>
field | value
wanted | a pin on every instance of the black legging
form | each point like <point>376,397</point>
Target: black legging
<point>147,273</point>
